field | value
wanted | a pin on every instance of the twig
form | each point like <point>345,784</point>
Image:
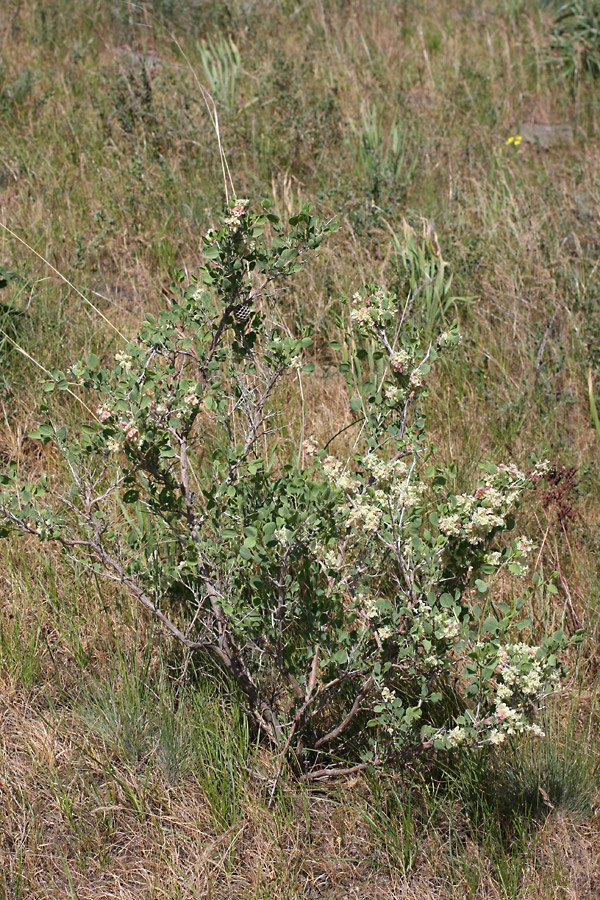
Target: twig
<point>331,736</point>
<point>335,772</point>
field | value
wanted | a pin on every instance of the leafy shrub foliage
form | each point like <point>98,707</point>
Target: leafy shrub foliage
<point>349,596</point>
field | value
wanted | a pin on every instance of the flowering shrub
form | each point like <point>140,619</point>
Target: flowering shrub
<point>346,595</point>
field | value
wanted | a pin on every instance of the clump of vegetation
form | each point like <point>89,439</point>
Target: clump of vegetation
<point>344,589</point>
<point>336,592</point>
<point>576,37</point>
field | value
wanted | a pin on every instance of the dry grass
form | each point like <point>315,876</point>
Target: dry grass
<point>76,824</point>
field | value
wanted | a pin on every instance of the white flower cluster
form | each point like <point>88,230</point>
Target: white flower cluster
<point>541,469</point>
<point>408,495</point>
<point>159,410</point>
<point>104,413</point>
<point>129,429</point>
<point>379,468</point>
<point>191,401</point>
<point>388,695</point>
<point>310,447</point>
<point>124,360</point>
<point>332,469</point>
<point>393,394</point>
<point>331,558</point>
<point>493,558</point>
<point>521,670</point>
<point>370,607</point>
<point>456,736</point>
<point>367,311</point>
<point>282,536</point>
<point>400,361</point>
<point>522,675</point>
<point>478,514</point>
<point>367,515</point>
<point>524,545</point>
<point>510,721</point>
<point>335,473</point>
<point>448,339</point>
<point>450,525</point>
<point>234,219</point>
<point>432,662</point>
<point>443,622</point>
<point>448,626</point>
<point>382,470</point>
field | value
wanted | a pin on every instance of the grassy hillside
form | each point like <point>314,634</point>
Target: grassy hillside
<point>470,131</point>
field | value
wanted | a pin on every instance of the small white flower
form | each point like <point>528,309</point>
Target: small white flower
<point>524,545</point>
<point>331,559</point>
<point>393,394</point>
<point>379,468</point>
<point>450,629</point>
<point>536,731</point>
<point>124,360</point>
<point>103,413</point>
<point>493,558</point>
<point>282,536</point>
<point>387,695</point>
<point>370,608</point>
<point>450,525</point>
<point>400,361</point>
<point>504,692</point>
<point>310,447</point>
<point>542,468</point>
<point>191,401</point>
<point>457,736</point>
<point>366,515</point>
<point>332,468</point>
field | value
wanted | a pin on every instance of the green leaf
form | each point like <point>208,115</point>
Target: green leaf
<point>490,626</point>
